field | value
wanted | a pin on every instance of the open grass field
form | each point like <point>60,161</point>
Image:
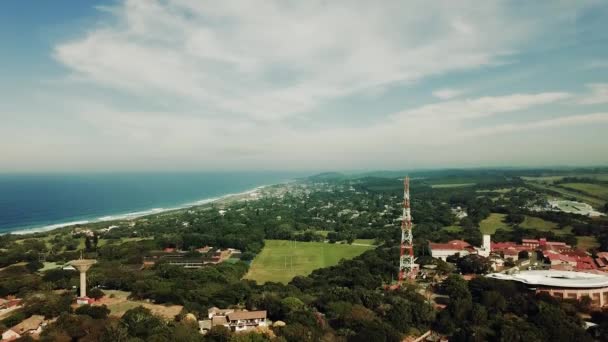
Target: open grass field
<point>597,190</point>
<point>492,223</point>
<point>453,229</point>
<point>500,191</point>
<point>369,242</point>
<point>595,202</point>
<point>451,185</point>
<point>118,303</point>
<point>531,222</point>
<point>281,260</point>
<point>586,242</point>
<point>551,179</point>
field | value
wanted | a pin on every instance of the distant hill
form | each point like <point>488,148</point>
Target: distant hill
<point>328,176</point>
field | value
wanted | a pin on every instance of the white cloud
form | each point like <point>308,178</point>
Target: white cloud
<point>598,95</point>
<point>225,84</point>
<point>273,59</point>
<point>447,93</point>
<point>480,107</point>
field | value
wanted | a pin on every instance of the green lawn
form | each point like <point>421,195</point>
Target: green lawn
<point>597,190</point>
<point>281,260</point>
<point>596,202</point>
<point>455,185</point>
<point>500,191</point>
<point>492,223</point>
<point>586,242</point>
<point>371,242</point>
<point>453,229</point>
<point>531,222</point>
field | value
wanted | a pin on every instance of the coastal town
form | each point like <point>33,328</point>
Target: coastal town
<point>217,266</point>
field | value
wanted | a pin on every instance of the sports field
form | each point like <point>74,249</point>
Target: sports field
<point>281,260</point>
<point>455,185</point>
<point>492,223</point>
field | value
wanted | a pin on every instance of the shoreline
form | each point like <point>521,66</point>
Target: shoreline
<point>138,214</point>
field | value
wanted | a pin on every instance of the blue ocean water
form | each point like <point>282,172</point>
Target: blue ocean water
<point>40,200</point>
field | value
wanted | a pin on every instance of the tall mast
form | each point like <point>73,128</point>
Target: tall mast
<point>407,268</point>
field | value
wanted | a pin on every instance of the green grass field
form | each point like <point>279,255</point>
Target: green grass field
<point>531,222</point>
<point>595,202</point>
<point>281,260</point>
<point>453,229</point>
<point>371,242</point>
<point>455,185</point>
<point>597,190</point>
<point>551,179</point>
<point>492,223</point>
<point>586,242</point>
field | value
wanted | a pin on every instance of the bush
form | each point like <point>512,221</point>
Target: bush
<point>34,266</point>
<point>96,312</point>
<point>96,293</point>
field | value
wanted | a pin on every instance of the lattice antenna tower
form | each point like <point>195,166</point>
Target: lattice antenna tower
<point>407,267</point>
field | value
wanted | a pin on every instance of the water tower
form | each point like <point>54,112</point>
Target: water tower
<point>83,265</point>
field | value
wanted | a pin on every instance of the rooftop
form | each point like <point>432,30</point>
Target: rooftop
<point>28,324</point>
<point>238,315</point>
<point>450,245</point>
<point>556,278</point>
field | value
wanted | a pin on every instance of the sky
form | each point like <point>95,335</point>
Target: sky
<point>171,85</point>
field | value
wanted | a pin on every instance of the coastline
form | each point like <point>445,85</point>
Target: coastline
<point>142,213</point>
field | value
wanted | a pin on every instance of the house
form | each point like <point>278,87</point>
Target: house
<point>9,302</point>
<point>29,326</point>
<point>235,320</point>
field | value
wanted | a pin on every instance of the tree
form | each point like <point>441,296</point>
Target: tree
<point>474,263</point>
<point>96,293</point>
<point>515,218</point>
<point>34,266</point>
<point>523,255</point>
<point>140,322</point>
<point>95,312</point>
<point>218,333</point>
<point>114,332</point>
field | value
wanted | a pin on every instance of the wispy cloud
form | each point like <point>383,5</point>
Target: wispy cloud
<point>598,95</point>
<point>482,106</point>
<point>447,93</point>
<point>274,84</point>
<point>271,60</point>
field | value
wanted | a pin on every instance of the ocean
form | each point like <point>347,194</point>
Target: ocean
<point>35,202</point>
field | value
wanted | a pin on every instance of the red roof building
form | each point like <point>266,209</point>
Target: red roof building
<point>444,250</point>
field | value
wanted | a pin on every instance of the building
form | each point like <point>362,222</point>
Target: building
<point>563,284</point>
<point>601,260</point>
<point>444,250</point>
<point>543,243</point>
<point>235,320</point>
<point>29,326</point>
<point>9,303</point>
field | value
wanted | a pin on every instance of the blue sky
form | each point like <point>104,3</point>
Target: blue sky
<point>208,85</point>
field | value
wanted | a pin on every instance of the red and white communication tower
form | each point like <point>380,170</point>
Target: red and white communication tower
<point>407,267</point>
